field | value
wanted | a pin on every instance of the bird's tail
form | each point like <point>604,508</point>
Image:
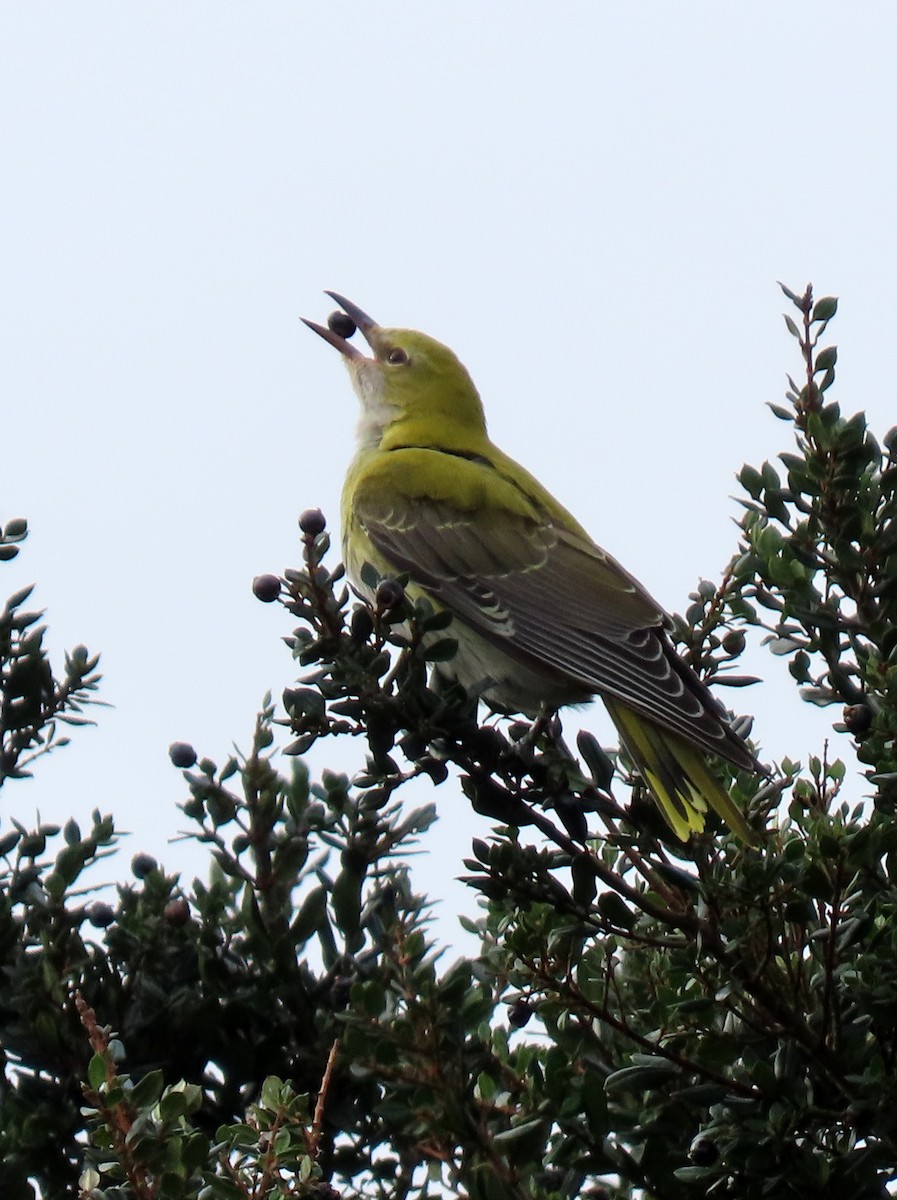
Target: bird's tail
<point>676,773</point>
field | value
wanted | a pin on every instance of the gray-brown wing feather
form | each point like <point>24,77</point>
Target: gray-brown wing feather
<point>552,595</point>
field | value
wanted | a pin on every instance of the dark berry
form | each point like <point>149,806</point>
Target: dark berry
<point>733,641</point>
<point>143,865</point>
<point>182,755</point>
<point>177,912</point>
<point>312,522</point>
<point>341,324</point>
<point>519,1014</point>
<point>101,916</point>
<point>266,588</point>
<point>858,717</point>
<point>389,593</point>
<point>703,1152</point>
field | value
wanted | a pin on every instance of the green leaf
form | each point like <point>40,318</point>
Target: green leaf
<point>694,1174</point>
<point>310,917</point>
<point>272,1093</point>
<point>147,1091</point>
<point>96,1072</point>
<point>347,901</point>
<point>9,841</point>
<point>826,359</point>
<point>751,480</point>
<point>784,414</point>
<point>825,309</point>
<point>442,650</point>
<point>642,1077</point>
<point>614,908</point>
<point>585,883</point>
<point>370,576</point>
<point>599,763</point>
<point>172,1105</point>
<point>792,296</point>
<point>239,1134</point>
<point>523,1130</point>
<point>19,598</point>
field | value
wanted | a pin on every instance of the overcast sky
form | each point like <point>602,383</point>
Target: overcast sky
<point>589,202</point>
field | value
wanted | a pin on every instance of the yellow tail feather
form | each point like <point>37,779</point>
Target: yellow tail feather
<point>677,774</point>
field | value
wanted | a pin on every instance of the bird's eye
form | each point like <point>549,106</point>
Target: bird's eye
<point>397,357</point>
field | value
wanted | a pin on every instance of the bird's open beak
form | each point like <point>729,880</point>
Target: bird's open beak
<point>366,324</point>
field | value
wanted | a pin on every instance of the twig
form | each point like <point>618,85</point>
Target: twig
<point>318,1118</point>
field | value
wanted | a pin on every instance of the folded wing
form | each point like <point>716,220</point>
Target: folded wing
<point>520,578</point>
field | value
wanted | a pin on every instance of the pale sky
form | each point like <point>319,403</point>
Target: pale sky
<point>589,202</point>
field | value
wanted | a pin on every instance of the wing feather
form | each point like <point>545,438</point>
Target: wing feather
<point>522,579</point>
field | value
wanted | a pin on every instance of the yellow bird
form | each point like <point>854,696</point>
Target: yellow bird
<point>542,615</point>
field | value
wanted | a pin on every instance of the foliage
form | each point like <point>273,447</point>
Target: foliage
<point>32,702</point>
<point>643,1017</point>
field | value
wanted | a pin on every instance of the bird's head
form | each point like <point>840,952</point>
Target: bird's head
<point>413,390</point>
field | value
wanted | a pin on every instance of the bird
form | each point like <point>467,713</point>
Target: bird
<point>543,617</point>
